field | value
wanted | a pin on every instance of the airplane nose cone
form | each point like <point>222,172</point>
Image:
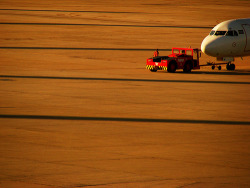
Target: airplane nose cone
<point>207,46</point>
<point>203,46</point>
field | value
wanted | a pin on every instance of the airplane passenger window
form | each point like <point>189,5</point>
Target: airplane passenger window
<point>235,33</point>
<point>212,32</point>
<point>220,33</point>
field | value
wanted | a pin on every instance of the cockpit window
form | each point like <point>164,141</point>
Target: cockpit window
<point>235,33</point>
<point>241,31</point>
<point>212,32</point>
<point>232,33</point>
<point>220,33</point>
<point>226,33</point>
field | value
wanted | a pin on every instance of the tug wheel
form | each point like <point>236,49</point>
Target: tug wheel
<point>172,66</point>
<point>153,70</point>
<point>188,66</point>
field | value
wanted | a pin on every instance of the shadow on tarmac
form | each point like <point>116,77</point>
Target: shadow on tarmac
<point>108,25</point>
<point>51,10</point>
<point>123,79</point>
<point>121,119</point>
<point>67,48</point>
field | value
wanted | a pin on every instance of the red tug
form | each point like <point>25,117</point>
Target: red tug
<point>181,58</point>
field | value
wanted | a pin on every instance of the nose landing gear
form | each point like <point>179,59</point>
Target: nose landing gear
<point>230,65</point>
<point>219,67</point>
<point>214,65</point>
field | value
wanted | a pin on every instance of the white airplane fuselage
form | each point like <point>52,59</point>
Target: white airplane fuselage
<point>228,39</point>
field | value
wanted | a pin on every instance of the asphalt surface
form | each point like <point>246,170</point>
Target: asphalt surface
<point>78,108</point>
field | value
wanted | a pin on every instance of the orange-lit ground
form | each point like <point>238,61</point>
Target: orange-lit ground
<point>85,117</point>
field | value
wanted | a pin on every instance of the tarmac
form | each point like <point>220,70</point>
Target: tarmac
<point>79,109</point>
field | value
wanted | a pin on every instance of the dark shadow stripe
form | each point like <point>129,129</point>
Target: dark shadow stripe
<point>64,48</point>
<point>111,25</point>
<point>83,11</point>
<point>119,119</point>
<point>122,79</point>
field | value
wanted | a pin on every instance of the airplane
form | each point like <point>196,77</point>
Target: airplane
<point>227,40</point>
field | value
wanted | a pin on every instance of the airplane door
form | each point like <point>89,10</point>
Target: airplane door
<point>247,32</point>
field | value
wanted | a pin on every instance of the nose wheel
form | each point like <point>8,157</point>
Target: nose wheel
<point>230,66</point>
<point>219,67</point>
